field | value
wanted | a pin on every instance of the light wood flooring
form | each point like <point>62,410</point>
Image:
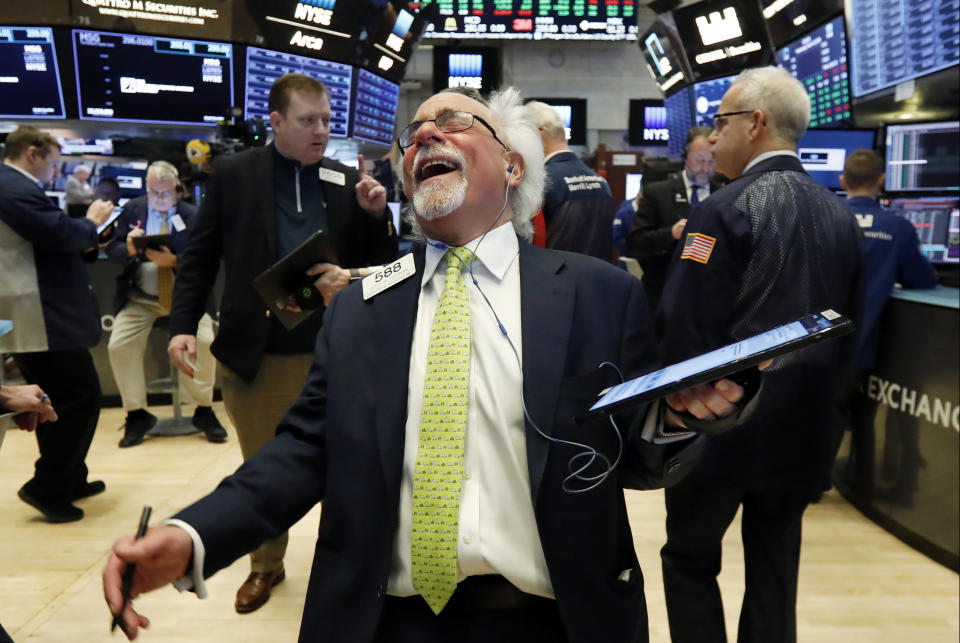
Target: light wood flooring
<point>857,583</point>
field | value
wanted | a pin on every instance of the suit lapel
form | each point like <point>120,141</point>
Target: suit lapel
<point>266,203</point>
<point>333,196</point>
<point>546,305</point>
<point>394,313</point>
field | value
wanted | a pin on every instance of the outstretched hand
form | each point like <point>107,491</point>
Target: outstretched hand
<point>371,196</point>
<point>162,556</point>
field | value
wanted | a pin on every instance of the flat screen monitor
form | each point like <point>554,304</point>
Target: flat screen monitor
<point>819,61</point>
<point>679,119</point>
<point>390,43</point>
<point>892,41</point>
<point>264,66</point>
<point>475,67</point>
<point>722,37</point>
<point>152,79</point>
<point>937,222</point>
<point>29,76</point>
<point>707,95</point>
<point>632,182</point>
<point>664,55</point>
<point>529,20</point>
<point>648,123</point>
<point>824,151</point>
<point>329,29</point>
<point>923,156</point>
<point>375,109</point>
<point>132,181</point>
<point>787,19</point>
<point>79,146</point>
<point>573,113</point>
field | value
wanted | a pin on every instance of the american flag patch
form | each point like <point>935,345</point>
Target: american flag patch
<point>698,247</point>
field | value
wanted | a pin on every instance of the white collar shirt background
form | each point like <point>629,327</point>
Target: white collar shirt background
<point>497,531</point>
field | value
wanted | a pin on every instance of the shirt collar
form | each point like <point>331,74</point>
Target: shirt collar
<point>22,171</point>
<point>156,213</point>
<point>766,155</point>
<point>496,253</point>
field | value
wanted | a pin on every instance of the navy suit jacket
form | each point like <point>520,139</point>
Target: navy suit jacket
<point>342,443</point>
<point>69,306</point>
<point>135,211</point>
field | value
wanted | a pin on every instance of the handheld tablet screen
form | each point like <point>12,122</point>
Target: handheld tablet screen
<point>113,217</point>
<point>725,360</point>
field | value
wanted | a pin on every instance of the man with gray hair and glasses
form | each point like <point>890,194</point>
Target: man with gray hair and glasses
<point>436,426</point>
<point>770,247</point>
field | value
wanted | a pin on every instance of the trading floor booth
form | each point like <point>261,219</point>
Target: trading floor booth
<point>901,465</point>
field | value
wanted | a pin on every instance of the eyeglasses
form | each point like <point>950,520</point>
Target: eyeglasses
<point>156,194</point>
<point>448,123</point>
<point>718,118</point>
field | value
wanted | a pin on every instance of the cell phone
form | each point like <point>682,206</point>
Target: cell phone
<point>110,220</point>
<point>724,361</point>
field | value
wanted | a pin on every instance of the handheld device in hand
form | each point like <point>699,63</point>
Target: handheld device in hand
<point>724,361</point>
<point>110,220</point>
<point>152,241</point>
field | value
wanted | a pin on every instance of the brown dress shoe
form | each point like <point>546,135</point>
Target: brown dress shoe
<point>255,591</point>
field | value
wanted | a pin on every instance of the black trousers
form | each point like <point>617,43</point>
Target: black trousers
<point>70,379</point>
<point>483,609</point>
<point>699,510</point>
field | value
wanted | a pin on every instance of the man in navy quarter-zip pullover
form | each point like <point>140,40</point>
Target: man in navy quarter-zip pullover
<point>260,205</point>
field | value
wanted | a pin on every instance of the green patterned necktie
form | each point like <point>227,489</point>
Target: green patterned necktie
<point>439,470</point>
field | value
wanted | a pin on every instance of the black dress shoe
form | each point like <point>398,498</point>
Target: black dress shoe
<point>136,426</point>
<point>88,489</point>
<point>52,511</point>
<point>206,420</point>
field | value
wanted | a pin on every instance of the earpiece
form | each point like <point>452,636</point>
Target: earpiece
<point>510,170</point>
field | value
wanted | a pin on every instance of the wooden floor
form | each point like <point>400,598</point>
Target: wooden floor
<point>857,583</point>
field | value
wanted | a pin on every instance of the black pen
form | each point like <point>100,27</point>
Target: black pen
<point>127,585</point>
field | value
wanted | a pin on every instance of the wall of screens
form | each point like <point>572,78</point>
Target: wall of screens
<point>29,74</point>
<point>533,19</point>
<point>375,108</point>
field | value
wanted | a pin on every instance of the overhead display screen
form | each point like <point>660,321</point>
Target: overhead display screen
<point>191,18</point>
<point>723,37</point>
<point>475,67</point>
<point>892,41</point>
<point>923,156</point>
<point>647,125</point>
<point>573,113</point>
<point>824,151</point>
<point>819,61</point>
<point>375,110</point>
<point>533,19</point>
<point>326,28</point>
<point>391,42</point>
<point>29,76</point>
<point>152,79</point>
<point>787,19</point>
<point>706,98</point>
<point>665,57</point>
<point>265,66</point>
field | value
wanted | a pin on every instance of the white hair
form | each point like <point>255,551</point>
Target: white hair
<point>518,131</point>
<point>82,168</point>
<point>161,170</point>
<point>547,119</point>
<point>780,96</point>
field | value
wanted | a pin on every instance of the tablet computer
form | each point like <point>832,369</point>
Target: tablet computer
<point>724,361</point>
<point>153,241</point>
<point>110,220</point>
<point>281,280</point>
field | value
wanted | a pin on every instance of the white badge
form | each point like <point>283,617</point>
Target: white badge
<point>388,276</point>
<point>177,223</point>
<point>332,176</point>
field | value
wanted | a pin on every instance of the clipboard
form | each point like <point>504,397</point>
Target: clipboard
<point>280,280</point>
<point>152,242</point>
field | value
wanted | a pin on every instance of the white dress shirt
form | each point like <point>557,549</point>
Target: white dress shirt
<point>497,528</point>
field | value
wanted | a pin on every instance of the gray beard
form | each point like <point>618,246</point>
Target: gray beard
<point>436,200</point>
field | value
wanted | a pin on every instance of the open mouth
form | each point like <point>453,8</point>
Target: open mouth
<point>435,167</point>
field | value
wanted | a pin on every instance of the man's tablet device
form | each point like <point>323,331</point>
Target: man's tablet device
<point>152,241</point>
<point>281,280</point>
<point>109,222</point>
<point>724,361</point>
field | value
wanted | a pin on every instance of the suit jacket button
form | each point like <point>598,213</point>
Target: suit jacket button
<point>380,590</point>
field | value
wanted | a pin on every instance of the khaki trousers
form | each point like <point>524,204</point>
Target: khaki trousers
<point>255,410</point>
<point>128,343</point>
